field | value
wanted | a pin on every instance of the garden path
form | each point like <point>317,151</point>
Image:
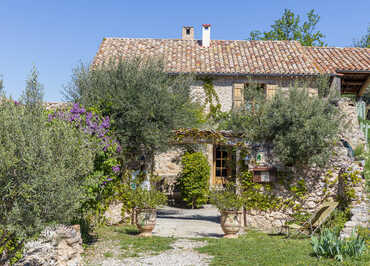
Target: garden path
<point>188,223</point>
<point>181,254</point>
<point>182,224</point>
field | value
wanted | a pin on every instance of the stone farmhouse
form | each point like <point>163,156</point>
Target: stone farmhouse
<point>231,64</point>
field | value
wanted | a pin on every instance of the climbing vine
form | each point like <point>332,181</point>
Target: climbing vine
<point>259,196</point>
<point>212,100</point>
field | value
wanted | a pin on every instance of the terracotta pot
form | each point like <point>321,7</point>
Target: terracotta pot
<point>145,221</point>
<point>231,223</point>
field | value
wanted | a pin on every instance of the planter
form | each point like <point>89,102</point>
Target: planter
<point>231,223</point>
<point>145,221</point>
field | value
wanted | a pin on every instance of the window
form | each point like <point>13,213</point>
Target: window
<point>222,158</point>
<point>238,95</point>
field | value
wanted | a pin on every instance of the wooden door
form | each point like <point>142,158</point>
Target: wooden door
<point>221,164</point>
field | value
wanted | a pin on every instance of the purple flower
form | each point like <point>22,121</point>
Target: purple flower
<point>119,148</point>
<point>50,117</point>
<point>109,179</point>
<point>105,123</point>
<point>16,102</point>
<point>116,168</point>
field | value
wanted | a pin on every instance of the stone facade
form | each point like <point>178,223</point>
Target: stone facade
<point>57,246</point>
<point>320,186</point>
<point>168,164</point>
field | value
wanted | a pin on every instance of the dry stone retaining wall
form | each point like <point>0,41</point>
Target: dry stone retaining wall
<point>58,246</point>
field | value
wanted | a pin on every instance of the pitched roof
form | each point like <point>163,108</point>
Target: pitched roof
<point>332,60</point>
<point>238,57</point>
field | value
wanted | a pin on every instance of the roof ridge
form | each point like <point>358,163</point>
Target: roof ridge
<point>175,39</point>
<point>335,47</point>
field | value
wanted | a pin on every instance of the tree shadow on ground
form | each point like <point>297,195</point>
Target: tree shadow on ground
<point>210,235</point>
<point>215,219</point>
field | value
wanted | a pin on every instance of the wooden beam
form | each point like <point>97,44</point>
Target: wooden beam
<point>349,83</point>
<point>364,86</point>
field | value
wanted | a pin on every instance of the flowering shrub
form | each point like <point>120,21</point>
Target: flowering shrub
<point>100,185</point>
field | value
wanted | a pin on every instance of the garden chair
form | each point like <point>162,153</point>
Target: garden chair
<point>316,220</point>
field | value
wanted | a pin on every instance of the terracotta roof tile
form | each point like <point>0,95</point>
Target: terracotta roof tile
<point>238,57</point>
<point>331,59</point>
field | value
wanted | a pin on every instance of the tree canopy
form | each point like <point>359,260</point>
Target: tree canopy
<point>144,102</point>
<point>364,41</point>
<point>301,129</point>
<point>289,27</point>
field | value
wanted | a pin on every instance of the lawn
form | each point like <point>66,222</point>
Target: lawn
<point>254,248</point>
<point>120,242</point>
<point>257,248</point>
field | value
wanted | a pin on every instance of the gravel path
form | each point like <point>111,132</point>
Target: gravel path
<point>188,223</point>
<point>171,222</point>
<point>182,254</point>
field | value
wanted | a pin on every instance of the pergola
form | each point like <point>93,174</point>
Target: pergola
<point>209,136</point>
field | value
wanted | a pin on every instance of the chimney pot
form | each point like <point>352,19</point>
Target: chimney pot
<point>188,33</point>
<point>206,35</point>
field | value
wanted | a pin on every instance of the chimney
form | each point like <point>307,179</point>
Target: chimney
<point>188,33</point>
<point>206,35</point>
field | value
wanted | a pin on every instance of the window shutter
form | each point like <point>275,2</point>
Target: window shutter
<point>271,90</point>
<point>238,95</point>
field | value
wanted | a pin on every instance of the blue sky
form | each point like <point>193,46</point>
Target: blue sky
<point>56,35</point>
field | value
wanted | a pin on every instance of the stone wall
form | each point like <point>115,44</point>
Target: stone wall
<point>224,88</point>
<point>322,184</point>
<point>59,246</point>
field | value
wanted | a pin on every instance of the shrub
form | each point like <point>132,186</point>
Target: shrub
<point>328,244</point>
<point>148,199</point>
<point>100,185</point>
<point>43,166</point>
<point>302,129</point>
<point>194,179</point>
<point>226,200</point>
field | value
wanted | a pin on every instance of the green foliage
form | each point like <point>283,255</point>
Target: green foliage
<point>257,248</point>
<point>100,187</point>
<point>359,152</point>
<point>193,179</point>
<point>338,219</point>
<point>148,199</point>
<point>43,166</point>
<point>301,129</point>
<point>226,200</point>
<point>364,41</point>
<point>367,173</point>
<point>10,248</point>
<point>328,244</point>
<point>288,27</point>
<point>364,232</point>
<point>350,179</point>
<point>143,101</point>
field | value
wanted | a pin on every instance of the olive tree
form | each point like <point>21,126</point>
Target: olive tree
<point>144,102</point>
<point>302,129</point>
<point>43,165</point>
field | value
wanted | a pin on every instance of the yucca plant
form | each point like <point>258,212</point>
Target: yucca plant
<point>328,244</point>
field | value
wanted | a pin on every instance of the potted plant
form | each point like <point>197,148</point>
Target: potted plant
<point>146,203</point>
<point>229,205</point>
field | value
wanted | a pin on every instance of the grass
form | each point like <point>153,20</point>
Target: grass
<point>130,244</point>
<point>256,248</point>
